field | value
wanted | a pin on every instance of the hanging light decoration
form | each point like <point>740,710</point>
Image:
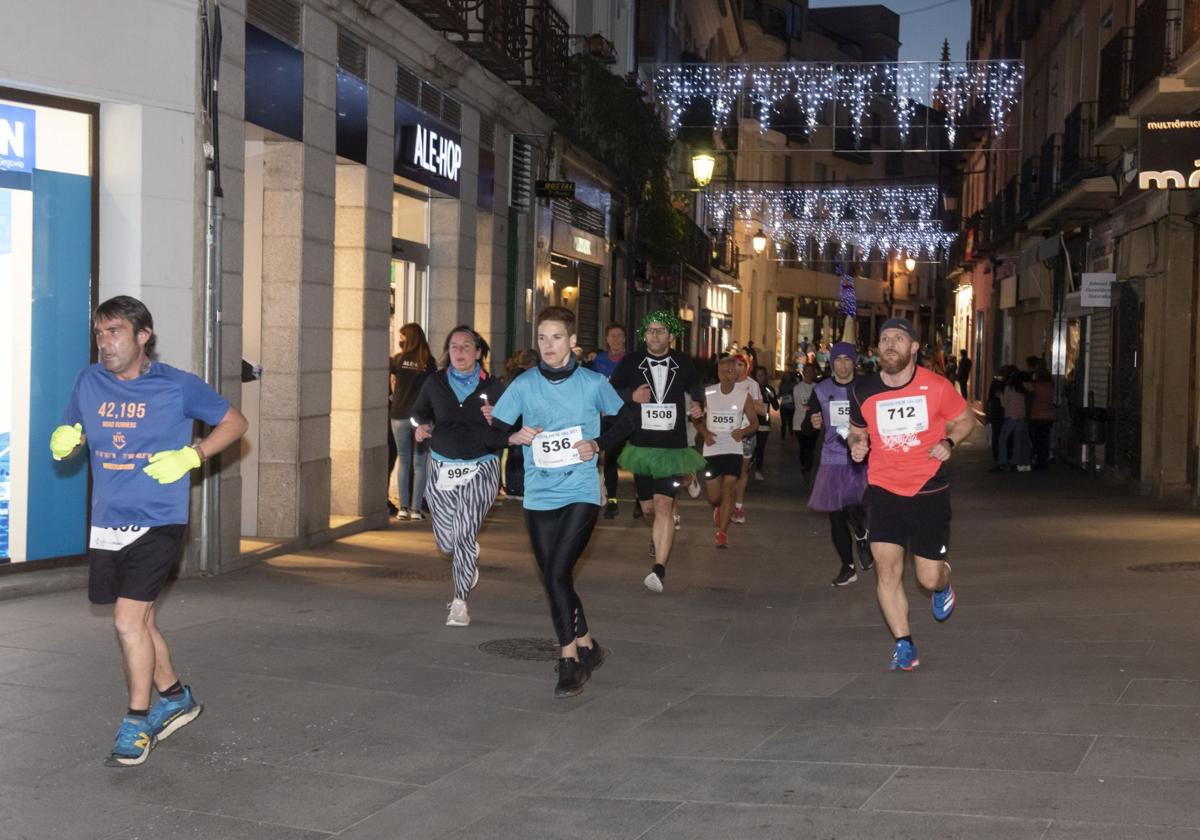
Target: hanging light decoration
<point>889,202</point>
<point>849,236</point>
<point>810,86</point>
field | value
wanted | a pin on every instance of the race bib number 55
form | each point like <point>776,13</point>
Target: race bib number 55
<point>556,449</point>
<point>839,414</point>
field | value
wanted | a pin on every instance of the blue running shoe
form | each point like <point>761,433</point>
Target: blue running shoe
<point>134,742</point>
<point>943,600</point>
<point>173,713</point>
<point>904,657</point>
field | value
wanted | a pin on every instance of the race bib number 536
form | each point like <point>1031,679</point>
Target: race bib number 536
<point>556,449</point>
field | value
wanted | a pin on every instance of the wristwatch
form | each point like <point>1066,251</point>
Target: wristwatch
<point>948,442</point>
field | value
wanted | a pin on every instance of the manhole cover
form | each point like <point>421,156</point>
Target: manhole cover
<point>526,650</point>
<point>1180,566</point>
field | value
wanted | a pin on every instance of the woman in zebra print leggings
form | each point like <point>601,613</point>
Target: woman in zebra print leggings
<point>454,409</point>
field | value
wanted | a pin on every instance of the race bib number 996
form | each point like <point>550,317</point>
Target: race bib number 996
<point>556,449</point>
<point>455,475</point>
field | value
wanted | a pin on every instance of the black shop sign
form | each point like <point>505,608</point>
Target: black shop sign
<point>427,151</point>
<point>1168,153</point>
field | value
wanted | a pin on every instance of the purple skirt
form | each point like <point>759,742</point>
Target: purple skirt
<point>838,485</point>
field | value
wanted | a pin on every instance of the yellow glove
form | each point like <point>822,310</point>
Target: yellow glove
<point>170,465</point>
<point>64,440</point>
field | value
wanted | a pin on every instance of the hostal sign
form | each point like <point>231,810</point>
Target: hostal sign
<point>1168,153</point>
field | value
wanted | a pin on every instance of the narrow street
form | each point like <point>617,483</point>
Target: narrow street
<point>750,700</point>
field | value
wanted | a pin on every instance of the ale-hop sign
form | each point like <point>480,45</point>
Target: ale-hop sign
<point>427,151</point>
<point>1168,153</point>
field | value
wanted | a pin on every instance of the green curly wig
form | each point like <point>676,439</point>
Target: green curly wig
<point>665,317</point>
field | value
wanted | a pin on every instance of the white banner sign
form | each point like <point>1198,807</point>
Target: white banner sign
<point>1096,289</point>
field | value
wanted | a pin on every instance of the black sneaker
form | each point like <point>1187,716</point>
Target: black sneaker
<point>610,509</point>
<point>571,677</point>
<point>637,510</point>
<point>591,658</point>
<point>845,576</point>
<point>866,561</point>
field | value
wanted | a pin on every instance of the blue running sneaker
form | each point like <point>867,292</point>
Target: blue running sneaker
<point>904,657</point>
<point>135,739</point>
<point>943,600</point>
<point>172,713</point>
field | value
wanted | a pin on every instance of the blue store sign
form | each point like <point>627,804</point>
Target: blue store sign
<point>18,139</point>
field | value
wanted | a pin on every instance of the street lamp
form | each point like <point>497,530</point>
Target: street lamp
<point>909,263</point>
<point>759,242</point>
<point>703,165</point>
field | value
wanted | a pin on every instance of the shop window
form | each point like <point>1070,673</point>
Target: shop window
<point>47,262</point>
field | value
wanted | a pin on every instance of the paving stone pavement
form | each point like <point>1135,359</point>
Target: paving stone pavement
<point>750,700</point>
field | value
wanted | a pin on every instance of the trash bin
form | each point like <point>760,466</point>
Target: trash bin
<point>1093,425</point>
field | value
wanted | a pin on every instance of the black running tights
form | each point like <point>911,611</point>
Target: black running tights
<point>559,536</point>
<point>841,522</point>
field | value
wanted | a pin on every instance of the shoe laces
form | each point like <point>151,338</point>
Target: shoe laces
<point>131,733</point>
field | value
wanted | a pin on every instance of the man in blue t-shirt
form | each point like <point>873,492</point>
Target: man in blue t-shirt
<point>135,416</point>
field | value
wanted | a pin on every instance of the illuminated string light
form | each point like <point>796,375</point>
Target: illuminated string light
<point>808,87</point>
<point>839,219</point>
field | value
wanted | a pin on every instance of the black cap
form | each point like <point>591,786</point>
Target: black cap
<point>902,324</point>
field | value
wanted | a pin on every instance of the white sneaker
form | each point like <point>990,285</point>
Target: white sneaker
<point>694,488</point>
<point>678,521</point>
<point>653,582</point>
<point>458,614</point>
<point>415,515</point>
<point>739,514</point>
<point>758,476</point>
<point>475,578</point>
<point>401,515</point>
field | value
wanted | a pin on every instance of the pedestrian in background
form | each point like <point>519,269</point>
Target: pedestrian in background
<point>514,458</point>
<point>964,372</point>
<point>1014,434</point>
<point>787,405</point>
<point>1041,418</point>
<point>409,368</point>
<point>806,435</point>
<point>763,432</point>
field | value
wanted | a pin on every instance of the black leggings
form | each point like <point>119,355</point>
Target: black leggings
<point>760,448</point>
<point>610,470</point>
<point>840,523</point>
<point>559,536</point>
<point>806,442</point>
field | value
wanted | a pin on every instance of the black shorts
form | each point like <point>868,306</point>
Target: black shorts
<point>920,522</point>
<point>648,487</point>
<point>139,570</point>
<point>719,465</point>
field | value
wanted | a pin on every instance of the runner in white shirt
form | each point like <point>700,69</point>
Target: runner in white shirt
<point>760,407</point>
<point>730,420</point>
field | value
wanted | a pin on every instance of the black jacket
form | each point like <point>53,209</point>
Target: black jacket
<point>460,431</point>
<point>409,379</point>
<point>682,380</point>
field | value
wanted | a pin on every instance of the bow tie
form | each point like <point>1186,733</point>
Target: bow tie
<point>658,363</point>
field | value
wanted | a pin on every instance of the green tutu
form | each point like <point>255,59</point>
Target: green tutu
<point>660,463</point>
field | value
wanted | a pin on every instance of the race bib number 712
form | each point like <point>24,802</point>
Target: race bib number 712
<point>902,416</point>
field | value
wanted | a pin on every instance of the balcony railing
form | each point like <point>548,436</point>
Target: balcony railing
<point>1078,154</point>
<point>1159,25</point>
<point>1029,188</point>
<point>577,214</point>
<point>725,254</point>
<point>1049,169</point>
<point>1010,216</point>
<point>443,15</point>
<point>1115,59</point>
<point>547,80</point>
<point>495,37</point>
<point>697,246</point>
